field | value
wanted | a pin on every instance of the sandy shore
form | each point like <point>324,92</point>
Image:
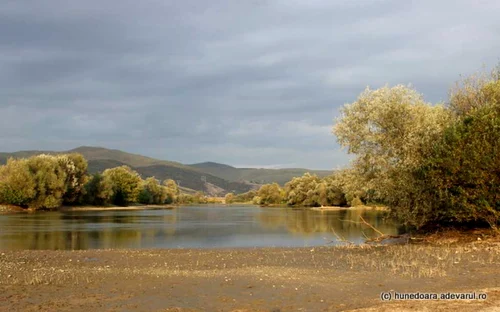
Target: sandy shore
<point>263,279</point>
<point>93,208</point>
<point>329,208</point>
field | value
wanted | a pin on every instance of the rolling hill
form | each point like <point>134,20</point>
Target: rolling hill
<point>213,178</point>
<point>256,175</point>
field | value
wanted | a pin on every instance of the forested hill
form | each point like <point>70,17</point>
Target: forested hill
<point>211,178</point>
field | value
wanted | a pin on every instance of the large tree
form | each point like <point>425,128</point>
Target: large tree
<point>390,131</point>
<point>152,192</point>
<point>17,184</point>
<point>126,184</point>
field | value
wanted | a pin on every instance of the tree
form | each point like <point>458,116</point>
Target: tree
<point>152,192</point>
<point>390,131</point>
<point>75,167</point>
<point>50,181</point>
<point>229,198</point>
<point>98,190</point>
<point>126,184</point>
<point>17,185</point>
<point>199,198</point>
<point>301,191</point>
<point>461,177</point>
<point>270,194</point>
<point>172,190</point>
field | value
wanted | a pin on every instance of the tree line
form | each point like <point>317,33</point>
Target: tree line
<point>50,181</point>
<point>305,191</point>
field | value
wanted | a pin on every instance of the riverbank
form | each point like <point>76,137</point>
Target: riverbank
<point>12,209</point>
<point>257,279</point>
<point>101,208</point>
<point>361,207</point>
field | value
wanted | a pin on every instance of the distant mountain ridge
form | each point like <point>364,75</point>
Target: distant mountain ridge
<point>256,175</point>
<point>210,177</point>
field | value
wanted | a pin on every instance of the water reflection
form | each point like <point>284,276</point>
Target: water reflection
<point>186,227</point>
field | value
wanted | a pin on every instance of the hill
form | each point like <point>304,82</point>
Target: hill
<point>100,159</point>
<point>256,175</point>
<point>210,177</point>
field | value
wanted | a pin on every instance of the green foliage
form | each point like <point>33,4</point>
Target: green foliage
<point>98,190</point>
<point>75,167</point>
<point>50,181</point>
<point>186,199</point>
<point>356,202</point>
<point>462,174</point>
<point>43,181</point>
<point>199,198</point>
<point>126,185</point>
<point>270,194</point>
<point>245,197</point>
<point>17,184</point>
<point>430,164</point>
<point>172,191</point>
<point>256,200</point>
<point>229,198</point>
<point>311,191</point>
<point>152,192</point>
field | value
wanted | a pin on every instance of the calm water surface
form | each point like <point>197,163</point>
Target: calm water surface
<point>187,227</point>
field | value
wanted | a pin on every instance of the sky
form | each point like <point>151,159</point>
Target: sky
<point>247,83</point>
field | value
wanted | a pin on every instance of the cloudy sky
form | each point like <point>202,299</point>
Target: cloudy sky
<point>247,83</point>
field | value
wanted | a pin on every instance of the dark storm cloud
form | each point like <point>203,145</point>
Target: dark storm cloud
<point>242,82</point>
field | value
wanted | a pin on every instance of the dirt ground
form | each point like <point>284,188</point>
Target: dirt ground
<point>263,279</point>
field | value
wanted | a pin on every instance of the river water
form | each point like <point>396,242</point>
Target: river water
<point>188,227</point>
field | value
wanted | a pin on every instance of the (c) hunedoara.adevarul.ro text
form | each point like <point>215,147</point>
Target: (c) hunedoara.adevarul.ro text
<point>395,296</point>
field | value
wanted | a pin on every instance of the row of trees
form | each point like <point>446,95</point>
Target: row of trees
<point>306,191</point>
<point>431,164</point>
<point>49,181</point>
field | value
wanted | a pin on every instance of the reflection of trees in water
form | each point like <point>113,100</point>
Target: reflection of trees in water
<point>345,222</point>
<point>86,230</point>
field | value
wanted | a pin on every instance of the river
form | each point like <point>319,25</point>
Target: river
<point>187,227</point>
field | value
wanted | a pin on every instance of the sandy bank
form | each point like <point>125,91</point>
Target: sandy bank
<point>327,208</point>
<point>254,279</point>
<point>92,208</point>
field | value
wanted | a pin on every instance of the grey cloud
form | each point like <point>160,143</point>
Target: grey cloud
<point>241,82</point>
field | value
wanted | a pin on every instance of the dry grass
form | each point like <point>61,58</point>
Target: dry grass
<point>416,261</point>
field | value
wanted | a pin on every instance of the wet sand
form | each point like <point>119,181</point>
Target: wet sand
<point>260,279</point>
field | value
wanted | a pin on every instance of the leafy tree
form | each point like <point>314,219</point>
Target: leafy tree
<point>270,194</point>
<point>126,184</point>
<point>172,190</point>
<point>98,190</point>
<point>199,198</point>
<point>245,197</point>
<point>50,181</point>
<point>302,191</point>
<point>390,131</point>
<point>75,167</point>
<point>17,185</point>
<point>461,177</point>
<point>229,198</point>
<point>152,192</point>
